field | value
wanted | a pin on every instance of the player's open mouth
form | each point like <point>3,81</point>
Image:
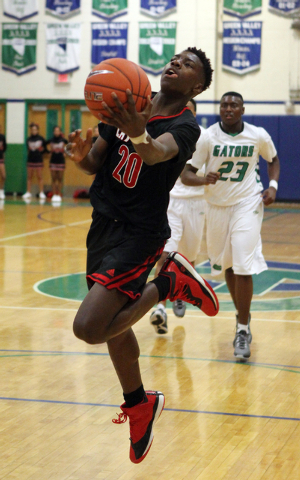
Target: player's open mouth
<point>171,73</point>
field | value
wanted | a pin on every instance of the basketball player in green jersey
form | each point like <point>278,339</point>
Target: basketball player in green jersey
<point>235,204</point>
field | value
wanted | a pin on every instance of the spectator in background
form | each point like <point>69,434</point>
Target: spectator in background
<point>2,165</point>
<point>57,162</point>
<point>36,145</point>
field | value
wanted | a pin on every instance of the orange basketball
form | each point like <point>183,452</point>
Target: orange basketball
<point>115,75</point>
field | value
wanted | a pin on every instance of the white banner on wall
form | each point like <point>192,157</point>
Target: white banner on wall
<point>63,47</point>
<point>20,9</point>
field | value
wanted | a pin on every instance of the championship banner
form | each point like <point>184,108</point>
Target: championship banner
<point>241,46</point>
<point>158,8</point>
<point>20,9</point>
<point>63,47</point>
<point>63,8</point>
<point>109,40</point>
<point>19,47</point>
<point>156,45</point>
<point>285,7</point>
<point>242,8</point>
<point>109,9</point>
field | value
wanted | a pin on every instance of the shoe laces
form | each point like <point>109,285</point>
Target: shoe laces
<point>122,418</point>
<point>179,303</point>
<point>241,339</point>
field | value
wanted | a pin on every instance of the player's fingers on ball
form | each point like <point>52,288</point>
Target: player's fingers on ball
<point>148,108</point>
<point>117,101</point>
<point>109,110</point>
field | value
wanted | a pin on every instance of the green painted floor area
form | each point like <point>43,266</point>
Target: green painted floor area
<point>73,287</point>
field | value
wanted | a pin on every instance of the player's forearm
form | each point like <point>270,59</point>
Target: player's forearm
<point>190,179</point>
<point>274,169</point>
<point>156,151</point>
<point>89,164</point>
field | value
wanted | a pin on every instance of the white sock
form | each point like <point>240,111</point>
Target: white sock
<point>240,327</point>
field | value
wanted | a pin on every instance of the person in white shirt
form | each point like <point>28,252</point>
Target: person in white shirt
<point>186,216</point>
<point>235,204</point>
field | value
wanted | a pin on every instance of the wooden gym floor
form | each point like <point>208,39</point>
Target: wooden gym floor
<point>223,419</point>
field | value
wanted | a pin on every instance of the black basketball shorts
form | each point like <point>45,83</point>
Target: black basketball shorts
<point>119,256</point>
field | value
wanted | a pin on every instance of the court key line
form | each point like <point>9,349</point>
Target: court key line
<point>205,412</point>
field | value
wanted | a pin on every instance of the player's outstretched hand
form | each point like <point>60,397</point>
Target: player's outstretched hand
<point>129,121</point>
<point>269,196</point>
<point>211,178</point>
<point>78,148</point>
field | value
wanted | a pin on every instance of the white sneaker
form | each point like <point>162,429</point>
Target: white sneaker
<point>26,195</point>
<point>56,198</point>
<point>158,319</point>
<point>42,196</point>
<point>2,195</point>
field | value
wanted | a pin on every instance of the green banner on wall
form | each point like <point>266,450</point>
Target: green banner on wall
<point>109,9</point>
<point>242,8</point>
<point>19,47</point>
<point>156,45</point>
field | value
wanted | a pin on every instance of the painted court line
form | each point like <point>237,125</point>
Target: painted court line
<point>36,232</point>
<point>42,248</point>
<point>169,310</point>
<point>90,404</point>
<point>106,354</point>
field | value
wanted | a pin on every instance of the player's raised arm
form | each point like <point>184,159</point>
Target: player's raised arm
<point>133,123</point>
<point>80,151</point>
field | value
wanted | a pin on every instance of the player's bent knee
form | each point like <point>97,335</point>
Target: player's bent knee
<point>85,330</point>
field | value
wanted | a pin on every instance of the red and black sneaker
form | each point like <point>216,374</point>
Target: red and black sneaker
<point>188,285</point>
<point>142,418</point>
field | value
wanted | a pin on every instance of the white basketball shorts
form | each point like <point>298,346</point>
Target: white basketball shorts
<point>233,237</point>
<point>186,219</point>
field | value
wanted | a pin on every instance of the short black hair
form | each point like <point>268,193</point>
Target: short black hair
<point>193,103</point>
<point>208,71</point>
<point>233,94</point>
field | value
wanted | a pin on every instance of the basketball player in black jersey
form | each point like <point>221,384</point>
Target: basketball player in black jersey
<point>137,159</point>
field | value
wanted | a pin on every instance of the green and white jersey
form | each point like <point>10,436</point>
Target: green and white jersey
<point>236,158</point>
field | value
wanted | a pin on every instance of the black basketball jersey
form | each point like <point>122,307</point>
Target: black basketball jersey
<point>36,145</point>
<point>57,147</point>
<point>127,189</point>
